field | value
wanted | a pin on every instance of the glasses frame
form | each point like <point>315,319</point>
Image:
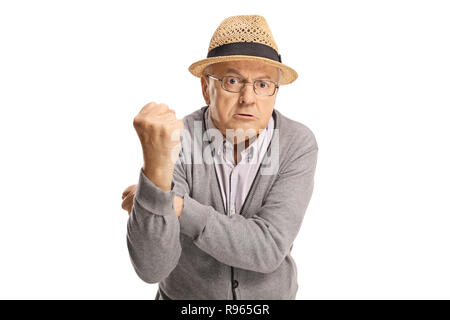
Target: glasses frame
<point>244,84</point>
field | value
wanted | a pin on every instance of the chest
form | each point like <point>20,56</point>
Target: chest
<point>206,188</point>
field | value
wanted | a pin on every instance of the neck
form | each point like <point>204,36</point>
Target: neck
<point>238,146</point>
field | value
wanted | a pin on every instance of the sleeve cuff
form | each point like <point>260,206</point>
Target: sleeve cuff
<point>178,190</point>
<point>193,218</point>
<point>152,198</point>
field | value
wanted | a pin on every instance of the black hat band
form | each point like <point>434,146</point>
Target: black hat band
<point>245,48</point>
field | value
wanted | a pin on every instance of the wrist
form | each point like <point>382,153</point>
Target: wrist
<point>161,176</point>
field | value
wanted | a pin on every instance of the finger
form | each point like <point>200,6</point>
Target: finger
<point>126,206</point>
<point>154,108</point>
<point>128,190</point>
<point>126,193</point>
<point>167,116</point>
<point>128,202</point>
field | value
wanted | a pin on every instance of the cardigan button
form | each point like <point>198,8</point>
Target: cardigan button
<point>235,284</point>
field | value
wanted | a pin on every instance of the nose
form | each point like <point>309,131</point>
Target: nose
<point>247,94</point>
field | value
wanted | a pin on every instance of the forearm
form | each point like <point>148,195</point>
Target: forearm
<point>259,243</point>
<point>233,240</point>
<point>153,232</point>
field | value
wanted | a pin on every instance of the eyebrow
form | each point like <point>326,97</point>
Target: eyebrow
<point>237,72</point>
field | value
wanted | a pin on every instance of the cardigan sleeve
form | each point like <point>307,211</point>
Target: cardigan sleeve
<point>259,243</point>
<point>153,230</point>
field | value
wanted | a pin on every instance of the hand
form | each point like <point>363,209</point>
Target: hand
<point>129,193</point>
<point>159,131</point>
<point>127,198</point>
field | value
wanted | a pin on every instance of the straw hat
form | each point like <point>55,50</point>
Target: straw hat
<point>244,37</point>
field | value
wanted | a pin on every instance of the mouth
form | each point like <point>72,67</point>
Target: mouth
<point>244,115</point>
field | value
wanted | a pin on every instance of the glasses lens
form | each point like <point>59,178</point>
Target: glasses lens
<point>264,88</point>
<point>232,84</point>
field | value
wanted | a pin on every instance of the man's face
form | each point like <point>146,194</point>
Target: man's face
<point>225,106</point>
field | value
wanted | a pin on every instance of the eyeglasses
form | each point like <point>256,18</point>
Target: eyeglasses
<point>235,84</point>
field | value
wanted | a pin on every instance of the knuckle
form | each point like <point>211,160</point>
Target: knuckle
<point>147,107</point>
<point>136,122</point>
<point>165,130</point>
<point>150,104</point>
<point>163,107</point>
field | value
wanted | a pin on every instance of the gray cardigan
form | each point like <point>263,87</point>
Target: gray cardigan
<point>206,254</point>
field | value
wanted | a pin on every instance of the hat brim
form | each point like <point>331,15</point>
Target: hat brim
<point>288,75</point>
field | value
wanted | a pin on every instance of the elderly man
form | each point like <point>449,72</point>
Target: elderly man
<point>222,193</point>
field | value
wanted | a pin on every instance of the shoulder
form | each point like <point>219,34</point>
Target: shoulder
<point>294,135</point>
<point>192,117</point>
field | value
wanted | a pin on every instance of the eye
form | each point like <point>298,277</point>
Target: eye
<point>263,84</point>
<point>232,80</point>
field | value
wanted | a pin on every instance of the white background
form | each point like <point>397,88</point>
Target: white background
<point>374,80</point>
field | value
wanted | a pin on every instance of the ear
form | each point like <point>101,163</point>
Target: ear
<point>205,83</point>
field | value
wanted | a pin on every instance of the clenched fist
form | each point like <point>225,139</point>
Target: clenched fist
<point>159,131</point>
